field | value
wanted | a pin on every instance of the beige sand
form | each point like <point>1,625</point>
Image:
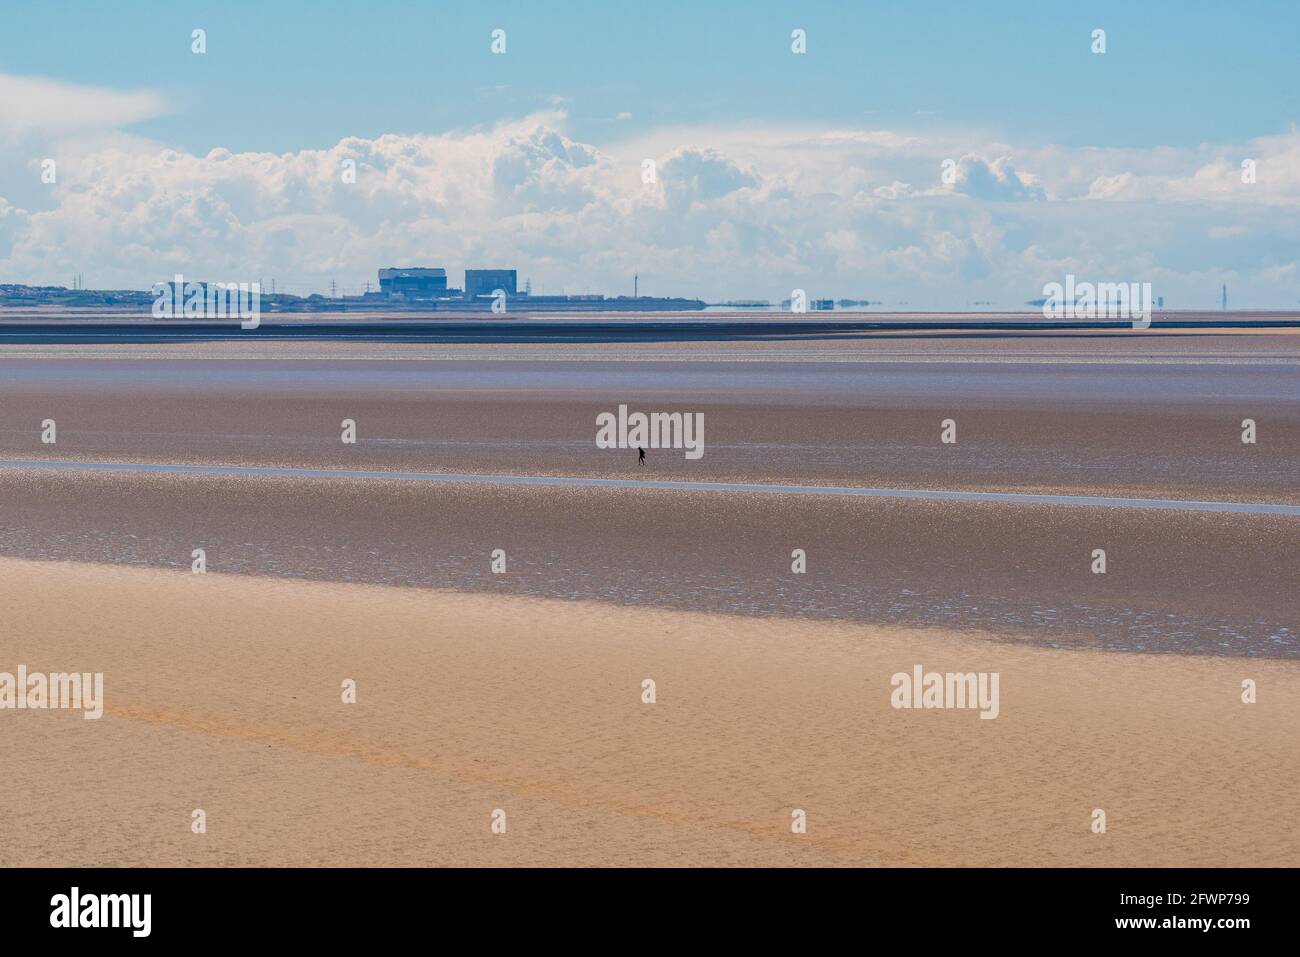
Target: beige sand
<point>223,693</point>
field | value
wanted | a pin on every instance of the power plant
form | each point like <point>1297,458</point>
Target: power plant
<point>497,290</point>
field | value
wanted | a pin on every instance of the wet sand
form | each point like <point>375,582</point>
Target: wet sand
<point>1152,416</point>
<point>1140,415</point>
<point>223,693</point>
<point>1176,582</point>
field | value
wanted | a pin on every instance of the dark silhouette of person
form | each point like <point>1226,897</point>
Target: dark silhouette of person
<point>640,456</point>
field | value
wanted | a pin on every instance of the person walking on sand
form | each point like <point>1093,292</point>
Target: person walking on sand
<point>640,456</point>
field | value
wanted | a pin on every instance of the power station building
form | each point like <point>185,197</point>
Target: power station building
<point>414,283</point>
<point>428,287</point>
<point>422,283</point>
<point>484,282</point>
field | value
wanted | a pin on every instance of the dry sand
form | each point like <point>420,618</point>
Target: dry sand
<point>223,693</point>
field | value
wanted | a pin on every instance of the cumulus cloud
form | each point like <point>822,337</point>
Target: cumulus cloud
<point>995,180</point>
<point>731,212</point>
<point>690,175</point>
<point>539,169</point>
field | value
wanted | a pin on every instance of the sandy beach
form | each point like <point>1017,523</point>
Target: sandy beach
<point>223,693</point>
<point>523,691</point>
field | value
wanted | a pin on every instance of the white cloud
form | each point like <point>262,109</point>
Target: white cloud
<point>895,190</point>
<point>995,180</point>
<point>30,103</point>
<point>733,212</point>
<point>1122,186</point>
<point>690,175</point>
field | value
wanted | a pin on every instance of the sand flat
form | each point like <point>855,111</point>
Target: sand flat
<point>1149,416</point>
<point>223,693</point>
<point>1178,582</point>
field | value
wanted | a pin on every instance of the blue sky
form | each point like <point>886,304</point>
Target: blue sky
<point>1004,85</point>
<point>286,75</point>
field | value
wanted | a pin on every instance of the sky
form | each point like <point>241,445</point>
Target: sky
<point>927,155</point>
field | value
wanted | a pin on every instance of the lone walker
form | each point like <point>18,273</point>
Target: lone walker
<point>640,457</point>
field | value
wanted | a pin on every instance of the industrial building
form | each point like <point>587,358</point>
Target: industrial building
<point>400,287</point>
<point>414,283</point>
<point>484,282</point>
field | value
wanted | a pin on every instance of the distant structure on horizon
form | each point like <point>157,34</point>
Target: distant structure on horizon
<point>485,282</point>
<point>1224,302</point>
<point>414,283</point>
<point>424,282</point>
<point>427,286</point>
